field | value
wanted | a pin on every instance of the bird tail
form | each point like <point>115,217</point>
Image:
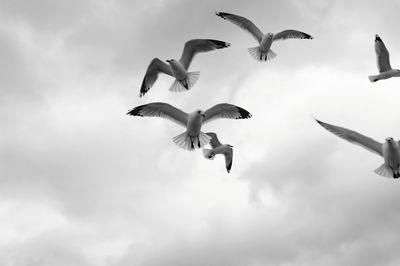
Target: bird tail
<point>186,84</point>
<point>385,171</point>
<point>208,154</point>
<point>373,78</point>
<point>190,143</point>
<point>256,53</point>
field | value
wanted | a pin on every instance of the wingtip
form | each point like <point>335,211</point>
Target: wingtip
<point>244,114</point>
<point>377,38</point>
<point>135,111</point>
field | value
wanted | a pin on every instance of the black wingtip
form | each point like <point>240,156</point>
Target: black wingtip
<point>228,167</point>
<point>378,39</point>
<point>220,14</point>
<point>135,111</point>
<point>219,44</point>
<point>243,114</point>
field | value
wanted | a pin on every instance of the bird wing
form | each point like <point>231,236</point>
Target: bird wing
<point>382,55</point>
<point>225,110</point>
<point>354,137</point>
<point>243,23</point>
<point>163,110</point>
<point>156,66</point>
<point>228,159</point>
<point>291,34</point>
<point>195,46</point>
<point>214,140</point>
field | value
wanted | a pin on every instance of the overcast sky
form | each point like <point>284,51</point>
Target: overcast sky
<point>82,183</point>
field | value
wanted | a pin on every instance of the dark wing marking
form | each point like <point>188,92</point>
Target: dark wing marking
<point>225,110</point>
<point>163,110</point>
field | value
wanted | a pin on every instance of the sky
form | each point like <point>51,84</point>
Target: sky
<point>82,183</point>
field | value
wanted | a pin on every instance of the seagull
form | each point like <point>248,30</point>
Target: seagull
<point>192,138</point>
<point>263,51</point>
<point>382,60</point>
<point>184,80</point>
<point>390,150</point>
<point>218,148</point>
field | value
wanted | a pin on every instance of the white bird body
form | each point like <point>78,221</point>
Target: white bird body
<point>383,62</point>
<point>195,120</point>
<point>193,137</point>
<point>178,69</point>
<point>391,154</point>
<point>218,148</point>
<point>390,150</point>
<point>262,52</point>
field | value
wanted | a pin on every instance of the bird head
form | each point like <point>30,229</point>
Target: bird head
<point>169,60</point>
<point>389,139</point>
<point>200,113</point>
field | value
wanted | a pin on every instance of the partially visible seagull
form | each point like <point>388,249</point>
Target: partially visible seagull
<point>390,150</point>
<point>184,80</point>
<point>263,51</point>
<point>192,138</point>
<point>382,60</point>
<point>218,148</point>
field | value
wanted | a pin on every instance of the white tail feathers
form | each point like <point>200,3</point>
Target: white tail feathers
<point>383,170</point>
<point>190,143</point>
<point>373,78</point>
<point>208,154</point>
<point>186,84</point>
<point>256,53</point>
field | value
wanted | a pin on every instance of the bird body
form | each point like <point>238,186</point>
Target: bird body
<point>390,150</point>
<point>218,148</point>
<point>193,137</point>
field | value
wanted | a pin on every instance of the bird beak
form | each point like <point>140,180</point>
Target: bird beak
<point>168,61</point>
<point>203,115</point>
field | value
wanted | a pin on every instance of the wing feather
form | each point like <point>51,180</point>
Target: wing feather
<point>195,46</point>
<point>354,137</point>
<point>291,34</point>
<point>156,66</point>
<point>243,23</point>
<point>228,159</point>
<point>382,55</point>
<point>225,110</point>
<point>214,140</point>
<point>163,110</point>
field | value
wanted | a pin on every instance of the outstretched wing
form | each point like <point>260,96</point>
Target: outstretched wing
<point>163,110</point>
<point>225,110</point>
<point>243,23</point>
<point>228,159</point>
<point>382,55</point>
<point>214,140</point>
<point>151,75</point>
<point>354,137</point>
<point>291,34</point>
<point>195,46</point>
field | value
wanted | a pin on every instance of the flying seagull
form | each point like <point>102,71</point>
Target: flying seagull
<point>390,150</point>
<point>192,138</point>
<point>382,60</point>
<point>218,148</point>
<point>184,80</point>
<point>263,51</point>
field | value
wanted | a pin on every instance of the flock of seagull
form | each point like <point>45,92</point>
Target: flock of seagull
<point>193,137</point>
